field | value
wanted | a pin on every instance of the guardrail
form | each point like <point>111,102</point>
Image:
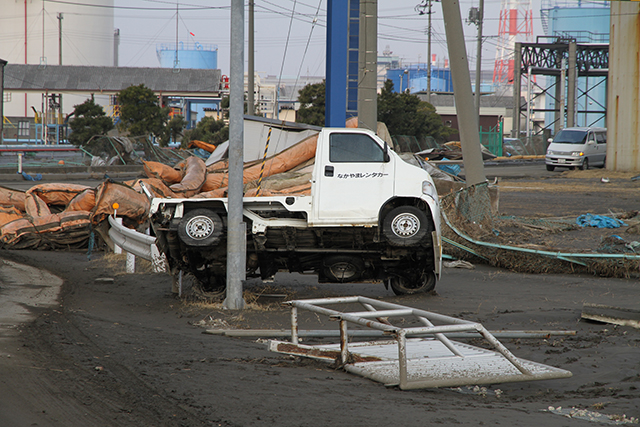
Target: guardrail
<point>136,244</point>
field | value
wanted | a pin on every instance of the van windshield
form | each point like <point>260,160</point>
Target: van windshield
<point>570,137</point>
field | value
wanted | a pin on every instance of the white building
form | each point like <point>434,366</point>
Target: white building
<point>32,32</point>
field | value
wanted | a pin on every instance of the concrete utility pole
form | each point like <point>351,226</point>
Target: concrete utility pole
<point>236,234</point>
<point>429,29</point>
<point>517,87</point>
<point>60,111</point>
<point>251,102</point>
<point>479,56</point>
<point>571,87</point>
<point>467,117</point>
<point>2,64</point>
<point>426,4</point>
<point>116,45</point>
<point>60,17</point>
<point>368,65</point>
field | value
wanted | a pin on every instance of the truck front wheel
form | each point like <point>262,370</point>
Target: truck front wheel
<point>200,227</point>
<point>405,226</point>
<point>403,285</point>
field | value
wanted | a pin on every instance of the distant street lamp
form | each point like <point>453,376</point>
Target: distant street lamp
<point>402,75</point>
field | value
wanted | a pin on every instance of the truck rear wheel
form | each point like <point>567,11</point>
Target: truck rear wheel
<point>407,285</point>
<point>200,227</point>
<point>405,226</point>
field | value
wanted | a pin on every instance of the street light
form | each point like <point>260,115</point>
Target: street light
<point>402,75</point>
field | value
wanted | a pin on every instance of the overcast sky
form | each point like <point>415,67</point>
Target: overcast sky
<point>145,23</point>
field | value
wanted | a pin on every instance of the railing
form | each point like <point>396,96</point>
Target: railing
<point>136,244</point>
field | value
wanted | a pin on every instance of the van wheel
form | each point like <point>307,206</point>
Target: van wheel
<point>585,164</point>
<point>200,227</point>
<point>550,168</point>
<point>403,285</point>
<point>405,226</point>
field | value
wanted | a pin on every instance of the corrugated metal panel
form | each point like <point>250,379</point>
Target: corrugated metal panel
<point>623,109</point>
<point>56,78</point>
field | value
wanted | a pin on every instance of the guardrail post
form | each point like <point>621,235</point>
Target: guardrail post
<point>117,249</point>
<point>131,263</point>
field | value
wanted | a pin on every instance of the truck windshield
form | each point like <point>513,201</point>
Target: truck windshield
<point>355,148</point>
<point>570,137</point>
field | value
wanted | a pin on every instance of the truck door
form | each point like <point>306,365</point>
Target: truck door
<point>355,178</point>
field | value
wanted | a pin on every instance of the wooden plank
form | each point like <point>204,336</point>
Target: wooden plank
<point>615,315</point>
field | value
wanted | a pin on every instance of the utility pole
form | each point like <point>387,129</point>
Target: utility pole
<point>368,65</point>
<point>476,15</point>
<point>479,57</point>
<point>2,64</point>
<point>60,38</point>
<point>236,228</point>
<point>116,44</point>
<point>429,29</point>
<point>467,118</point>
<point>176,62</point>
<point>251,102</point>
<point>426,4</point>
<point>60,111</point>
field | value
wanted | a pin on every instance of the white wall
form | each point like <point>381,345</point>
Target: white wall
<point>87,39</point>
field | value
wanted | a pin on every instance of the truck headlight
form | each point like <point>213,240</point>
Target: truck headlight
<point>427,188</point>
<point>577,153</point>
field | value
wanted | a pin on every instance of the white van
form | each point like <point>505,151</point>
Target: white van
<point>577,146</point>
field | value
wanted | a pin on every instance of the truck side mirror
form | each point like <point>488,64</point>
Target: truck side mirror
<point>386,157</point>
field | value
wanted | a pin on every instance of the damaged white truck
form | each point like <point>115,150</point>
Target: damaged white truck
<point>370,217</point>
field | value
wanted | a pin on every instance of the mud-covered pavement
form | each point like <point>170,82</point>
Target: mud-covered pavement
<point>128,353</point>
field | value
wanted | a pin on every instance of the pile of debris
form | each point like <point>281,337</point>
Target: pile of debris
<point>53,216</point>
<point>477,232</point>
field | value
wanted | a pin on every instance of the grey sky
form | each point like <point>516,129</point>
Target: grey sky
<point>399,27</point>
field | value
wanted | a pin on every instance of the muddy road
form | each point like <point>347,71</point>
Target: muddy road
<point>128,353</point>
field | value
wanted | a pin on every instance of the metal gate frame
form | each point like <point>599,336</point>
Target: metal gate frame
<point>464,368</point>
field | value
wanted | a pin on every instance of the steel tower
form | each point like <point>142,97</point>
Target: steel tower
<point>516,25</point>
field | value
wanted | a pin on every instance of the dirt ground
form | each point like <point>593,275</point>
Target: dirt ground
<point>129,353</point>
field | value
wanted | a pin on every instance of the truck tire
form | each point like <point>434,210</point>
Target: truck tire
<point>405,226</point>
<point>550,168</point>
<point>200,227</point>
<point>402,285</point>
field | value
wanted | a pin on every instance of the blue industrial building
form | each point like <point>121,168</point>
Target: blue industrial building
<point>415,78</point>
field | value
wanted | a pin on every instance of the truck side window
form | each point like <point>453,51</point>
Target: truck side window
<point>354,148</point>
<point>601,138</point>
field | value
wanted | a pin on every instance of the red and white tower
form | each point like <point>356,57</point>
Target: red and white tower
<point>516,25</point>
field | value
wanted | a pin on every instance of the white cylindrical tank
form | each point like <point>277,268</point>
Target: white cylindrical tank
<point>87,39</point>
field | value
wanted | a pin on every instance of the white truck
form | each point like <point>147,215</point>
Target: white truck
<point>370,216</point>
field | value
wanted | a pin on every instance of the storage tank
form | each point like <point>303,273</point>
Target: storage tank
<point>87,39</point>
<point>188,55</point>
<point>200,56</point>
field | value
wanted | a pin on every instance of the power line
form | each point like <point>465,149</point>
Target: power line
<point>104,6</point>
